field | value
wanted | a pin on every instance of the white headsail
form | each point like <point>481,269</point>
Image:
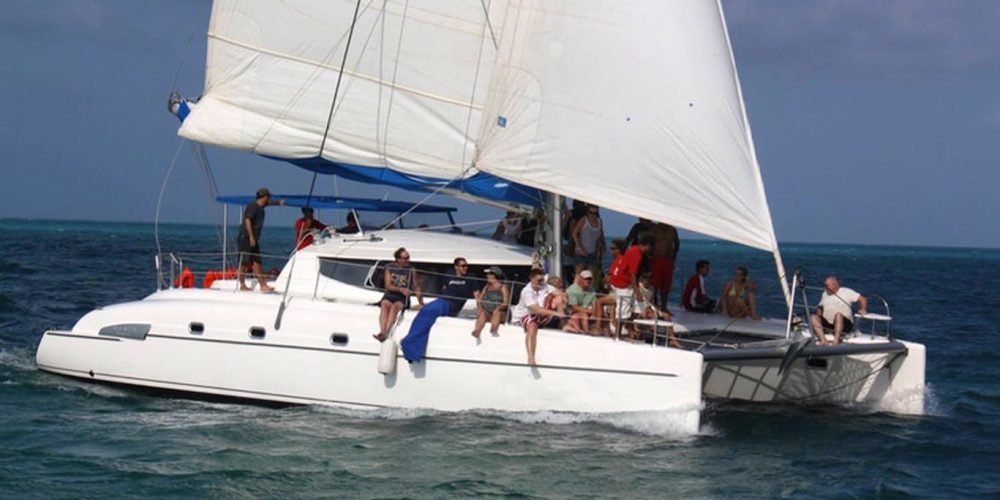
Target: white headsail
<point>634,106</point>
<point>411,93</point>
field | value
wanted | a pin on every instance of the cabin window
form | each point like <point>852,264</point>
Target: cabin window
<point>196,328</point>
<point>257,332</point>
<point>351,272</point>
<point>339,339</point>
<point>134,331</point>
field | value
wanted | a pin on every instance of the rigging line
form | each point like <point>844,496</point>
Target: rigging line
<point>201,158</point>
<point>159,203</point>
<point>472,96</point>
<point>187,50</point>
<point>311,187</point>
<point>425,198</point>
<point>379,146</point>
<point>395,72</point>
<point>340,75</point>
<point>355,71</point>
<point>489,24</point>
<point>305,83</point>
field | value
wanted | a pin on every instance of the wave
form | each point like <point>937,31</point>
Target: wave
<point>19,358</point>
<point>676,423</point>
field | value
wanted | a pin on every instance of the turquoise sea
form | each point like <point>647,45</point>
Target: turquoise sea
<point>66,439</point>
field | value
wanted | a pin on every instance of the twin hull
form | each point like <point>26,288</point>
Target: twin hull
<point>324,353</point>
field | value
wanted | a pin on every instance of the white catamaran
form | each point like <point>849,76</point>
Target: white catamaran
<point>633,105</point>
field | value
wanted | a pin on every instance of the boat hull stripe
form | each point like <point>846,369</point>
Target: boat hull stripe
<point>375,354</point>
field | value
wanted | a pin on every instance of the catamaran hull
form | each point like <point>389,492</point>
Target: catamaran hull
<point>887,376</point>
<point>324,354</point>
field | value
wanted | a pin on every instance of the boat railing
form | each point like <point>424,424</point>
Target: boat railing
<point>172,267</point>
<point>625,325</point>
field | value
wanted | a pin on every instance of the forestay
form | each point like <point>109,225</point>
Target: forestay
<point>410,96</point>
<point>634,106</point>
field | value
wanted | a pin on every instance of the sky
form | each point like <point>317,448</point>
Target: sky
<point>875,121</point>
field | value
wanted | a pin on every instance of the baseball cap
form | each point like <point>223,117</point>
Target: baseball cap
<point>586,274</point>
<point>495,271</point>
<point>262,192</point>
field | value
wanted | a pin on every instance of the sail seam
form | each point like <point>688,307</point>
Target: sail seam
<point>354,74</point>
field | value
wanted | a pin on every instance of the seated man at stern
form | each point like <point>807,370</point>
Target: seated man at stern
<point>834,310</point>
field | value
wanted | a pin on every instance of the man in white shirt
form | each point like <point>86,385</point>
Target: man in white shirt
<point>834,310</point>
<point>531,312</point>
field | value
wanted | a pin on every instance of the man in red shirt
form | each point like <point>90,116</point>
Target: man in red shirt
<point>623,276</point>
<point>304,228</point>
<point>695,299</point>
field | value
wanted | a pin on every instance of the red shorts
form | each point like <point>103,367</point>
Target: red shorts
<point>537,319</point>
<point>663,273</point>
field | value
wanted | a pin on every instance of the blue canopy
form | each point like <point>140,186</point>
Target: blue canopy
<point>481,185</point>
<point>359,204</point>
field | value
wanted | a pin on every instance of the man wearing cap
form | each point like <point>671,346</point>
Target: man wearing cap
<point>249,239</point>
<point>304,228</point>
<point>582,300</point>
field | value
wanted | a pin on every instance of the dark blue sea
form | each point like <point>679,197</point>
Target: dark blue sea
<point>68,439</point>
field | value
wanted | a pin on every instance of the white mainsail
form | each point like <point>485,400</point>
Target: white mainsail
<point>633,106</point>
<point>410,96</point>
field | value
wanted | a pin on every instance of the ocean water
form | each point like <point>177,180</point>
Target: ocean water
<point>62,438</point>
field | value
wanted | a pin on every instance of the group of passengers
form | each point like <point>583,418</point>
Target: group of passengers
<point>638,282</point>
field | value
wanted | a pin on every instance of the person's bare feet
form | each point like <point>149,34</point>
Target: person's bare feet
<point>266,289</point>
<point>475,334</point>
<point>380,337</point>
<point>244,288</point>
<point>531,361</point>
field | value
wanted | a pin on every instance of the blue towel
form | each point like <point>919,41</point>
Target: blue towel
<point>415,344</point>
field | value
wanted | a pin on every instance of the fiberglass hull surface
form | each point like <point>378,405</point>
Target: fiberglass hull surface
<point>885,375</point>
<point>300,363</point>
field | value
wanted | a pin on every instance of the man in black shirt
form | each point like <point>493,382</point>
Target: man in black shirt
<point>249,239</point>
<point>457,289</point>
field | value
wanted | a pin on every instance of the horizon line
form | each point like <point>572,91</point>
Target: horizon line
<point>701,238</point>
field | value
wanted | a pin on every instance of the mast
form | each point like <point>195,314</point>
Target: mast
<point>553,233</point>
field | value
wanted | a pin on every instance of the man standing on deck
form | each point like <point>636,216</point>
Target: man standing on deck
<point>662,259</point>
<point>638,229</point>
<point>624,277</point>
<point>834,310</point>
<point>249,239</point>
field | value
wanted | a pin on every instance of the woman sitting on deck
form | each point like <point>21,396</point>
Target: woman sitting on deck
<point>737,299</point>
<point>491,302</point>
